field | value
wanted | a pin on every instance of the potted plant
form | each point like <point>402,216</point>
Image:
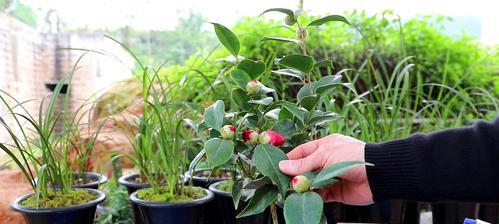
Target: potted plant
<point>160,148</point>
<point>254,136</point>
<point>40,146</point>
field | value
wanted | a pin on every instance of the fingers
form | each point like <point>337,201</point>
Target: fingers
<point>300,166</point>
<point>308,148</point>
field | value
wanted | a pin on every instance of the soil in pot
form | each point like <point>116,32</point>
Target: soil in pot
<point>162,207</point>
<point>77,206</point>
<point>205,177</point>
<point>224,202</point>
<point>133,182</point>
<point>88,180</point>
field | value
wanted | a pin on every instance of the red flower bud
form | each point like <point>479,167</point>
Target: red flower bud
<point>271,137</point>
<point>253,87</point>
<point>250,136</point>
<point>228,131</point>
<point>300,183</point>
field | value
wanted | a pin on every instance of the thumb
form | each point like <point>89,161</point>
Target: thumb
<point>300,166</point>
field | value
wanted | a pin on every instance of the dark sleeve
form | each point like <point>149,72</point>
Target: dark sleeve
<point>456,164</point>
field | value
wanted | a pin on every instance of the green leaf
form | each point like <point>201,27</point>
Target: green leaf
<point>285,127</point>
<point>323,118</point>
<point>303,208</point>
<point>262,198</point>
<point>282,39</point>
<point>258,183</point>
<point>218,151</point>
<point>299,137</point>
<point>309,102</point>
<point>330,18</point>
<point>241,98</point>
<point>214,115</point>
<point>328,63</point>
<point>236,193</point>
<point>240,77</point>
<point>265,101</point>
<point>303,63</point>
<point>288,12</point>
<point>267,158</point>
<point>306,90</point>
<point>290,72</point>
<point>335,170</point>
<point>320,86</point>
<point>285,114</point>
<point>227,38</point>
<point>253,68</point>
<point>294,110</point>
<point>326,83</point>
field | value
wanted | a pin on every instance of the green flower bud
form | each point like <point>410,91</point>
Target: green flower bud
<point>301,183</point>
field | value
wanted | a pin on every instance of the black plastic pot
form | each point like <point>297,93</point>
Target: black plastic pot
<point>97,178</point>
<point>78,214</point>
<point>396,211</point>
<point>226,206</point>
<point>204,182</point>
<point>489,213</point>
<point>165,213</point>
<point>131,187</point>
<point>453,212</point>
<point>212,210</point>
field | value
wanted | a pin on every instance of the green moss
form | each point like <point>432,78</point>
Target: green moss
<point>189,194</point>
<point>56,199</point>
<point>226,186</point>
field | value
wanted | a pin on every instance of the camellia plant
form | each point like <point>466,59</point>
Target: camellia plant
<point>254,136</point>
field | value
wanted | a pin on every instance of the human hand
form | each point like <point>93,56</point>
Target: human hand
<point>318,154</point>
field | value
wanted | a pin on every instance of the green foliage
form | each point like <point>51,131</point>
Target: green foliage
<point>303,208</point>
<point>20,11</point>
<point>40,145</point>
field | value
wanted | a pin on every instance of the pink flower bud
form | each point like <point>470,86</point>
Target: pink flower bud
<point>228,131</point>
<point>253,87</point>
<point>271,137</point>
<point>300,183</point>
<point>250,136</point>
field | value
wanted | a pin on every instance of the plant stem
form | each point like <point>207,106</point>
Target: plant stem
<point>273,212</point>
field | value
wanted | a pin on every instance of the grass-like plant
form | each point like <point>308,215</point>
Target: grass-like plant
<point>40,145</point>
<point>160,149</point>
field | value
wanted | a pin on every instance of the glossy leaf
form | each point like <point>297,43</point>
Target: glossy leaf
<point>262,198</point>
<point>335,171</point>
<point>290,72</point>
<point>265,101</point>
<point>303,63</point>
<point>330,18</point>
<point>285,127</point>
<point>258,183</point>
<point>327,82</point>
<point>240,78</point>
<point>288,12</point>
<point>309,102</point>
<point>267,158</point>
<point>227,38</point>
<point>241,98</point>
<point>218,151</point>
<point>294,110</point>
<point>323,118</point>
<point>303,208</point>
<point>328,63</point>
<point>282,39</point>
<point>236,193</point>
<point>214,115</point>
<point>253,68</point>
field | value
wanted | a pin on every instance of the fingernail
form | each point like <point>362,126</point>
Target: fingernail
<point>285,165</point>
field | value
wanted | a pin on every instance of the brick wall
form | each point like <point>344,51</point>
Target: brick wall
<point>29,60</point>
